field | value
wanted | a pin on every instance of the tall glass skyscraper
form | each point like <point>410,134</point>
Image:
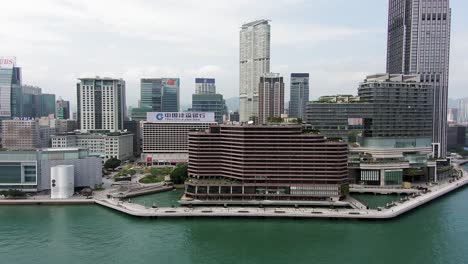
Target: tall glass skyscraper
<point>170,94</point>
<point>206,99</point>
<point>151,94</point>
<point>419,43</point>
<point>299,94</point>
<point>47,104</point>
<point>254,61</point>
<point>10,88</point>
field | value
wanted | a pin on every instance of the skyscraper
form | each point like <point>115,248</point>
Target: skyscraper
<point>10,88</point>
<point>47,104</point>
<point>205,99</point>
<point>299,94</point>
<point>170,94</point>
<point>101,104</point>
<point>151,94</point>
<point>419,43</point>
<point>62,109</point>
<point>254,60</point>
<point>270,97</point>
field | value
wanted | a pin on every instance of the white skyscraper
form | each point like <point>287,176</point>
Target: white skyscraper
<point>254,60</point>
<point>101,104</point>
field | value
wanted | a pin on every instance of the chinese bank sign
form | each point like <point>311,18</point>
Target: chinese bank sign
<point>180,117</point>
<point>7,62</point>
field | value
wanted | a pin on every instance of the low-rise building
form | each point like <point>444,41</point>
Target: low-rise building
<point>20,134</point>
<point>30,170</point>
<point>274,163</point>
<point>165,135</point>
<point>106,145</point>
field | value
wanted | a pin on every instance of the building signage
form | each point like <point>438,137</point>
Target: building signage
<point>180,117</point>
<point>7,62</point>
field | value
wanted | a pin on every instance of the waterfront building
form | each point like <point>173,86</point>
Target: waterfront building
<point>20,134</point>
<point>117,145</point>
<point>101,104</point>
<point>165,135</point>
<point>270,97</point>
<point>62,109</point>
<point>254,61</point>
<point>47,105</point>
<point>205,86</point>
<point>419,43</point>
<point>299,95</point>
<point>29,170</point>
<point>10,88</point>
<point>170,95</point>
<point>388,127</point>
<point>206,99</point>
<point>274,163</point>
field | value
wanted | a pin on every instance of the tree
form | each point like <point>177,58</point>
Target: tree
<point>179,174</point>
<point>112,163</point>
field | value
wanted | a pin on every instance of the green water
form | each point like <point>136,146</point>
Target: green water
<point>165,199</point>
<point>436,233</point>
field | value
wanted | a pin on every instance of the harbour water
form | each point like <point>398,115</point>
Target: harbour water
<point>435,233</point>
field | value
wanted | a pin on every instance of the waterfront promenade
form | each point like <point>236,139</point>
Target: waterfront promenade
<point>398,209</point>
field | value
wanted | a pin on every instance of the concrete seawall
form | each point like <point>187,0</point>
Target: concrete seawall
<point>138,210</point>
<point>46,201</point>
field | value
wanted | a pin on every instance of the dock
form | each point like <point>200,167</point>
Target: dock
<point>396,210</point>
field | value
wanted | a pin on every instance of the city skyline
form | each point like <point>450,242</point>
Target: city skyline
<point>313,45</point>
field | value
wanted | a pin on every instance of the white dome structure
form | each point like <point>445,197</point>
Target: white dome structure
<point>62,181</point>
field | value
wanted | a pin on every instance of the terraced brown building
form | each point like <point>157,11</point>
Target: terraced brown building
<point>265,163</point>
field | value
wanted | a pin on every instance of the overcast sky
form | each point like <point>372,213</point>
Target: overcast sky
<point>338,42</point>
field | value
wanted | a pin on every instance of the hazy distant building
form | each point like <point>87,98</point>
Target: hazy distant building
<point>47,105</point>
<point>254,60</point>
<point>419,43</point>
<point>62,109</point>
<point>299,95</point>
<point>270,97</point>
<point>170,95</point>
<point>101,104</point>
<point>452,115</point>
<point>463,110</point>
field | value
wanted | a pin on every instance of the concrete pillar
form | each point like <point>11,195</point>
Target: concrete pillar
<point>382,177</point>
<point>196,189</point>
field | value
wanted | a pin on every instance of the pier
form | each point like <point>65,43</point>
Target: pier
<point>396,210</point>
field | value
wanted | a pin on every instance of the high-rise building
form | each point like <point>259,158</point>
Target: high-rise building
<point>281,164</point>
<point>10,88</point>
<point>205,86</point>
<point>419,43</point>
<point>62,109</point>
<point>463,110</point>
<point>170,95</point>
<point>47,104</point>
<point>151,94</point>
<point>101,104</point>
<point>206,99</point>
<point>31,98</point>
<point>270,97</point>
<point>388,127</point>
<point>254,60</point>
<point>299,95</point>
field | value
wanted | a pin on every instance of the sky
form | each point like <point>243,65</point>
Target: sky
<point>338,42</point>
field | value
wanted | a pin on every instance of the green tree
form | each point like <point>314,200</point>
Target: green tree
<point>112,163</point>
<point>179,174</point>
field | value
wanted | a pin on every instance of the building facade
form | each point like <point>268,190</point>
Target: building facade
<point>388,127</point>
<point>299,96</point>
<point>270,97</point>
<point>21,134</point>
<point>10,86</point>
<point>205,86</point>
<point>170,95</point>
<point>165,142</point>
<point>254,61</point>
<point>62,109</point>
<point>419,43</point>
<point>117,145</point>
<point>101,104</point>
<point>47,105</point>
<point>245,163</point>
<point>29,171</point>
<point>134,127</point>
<point>205,99</point>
